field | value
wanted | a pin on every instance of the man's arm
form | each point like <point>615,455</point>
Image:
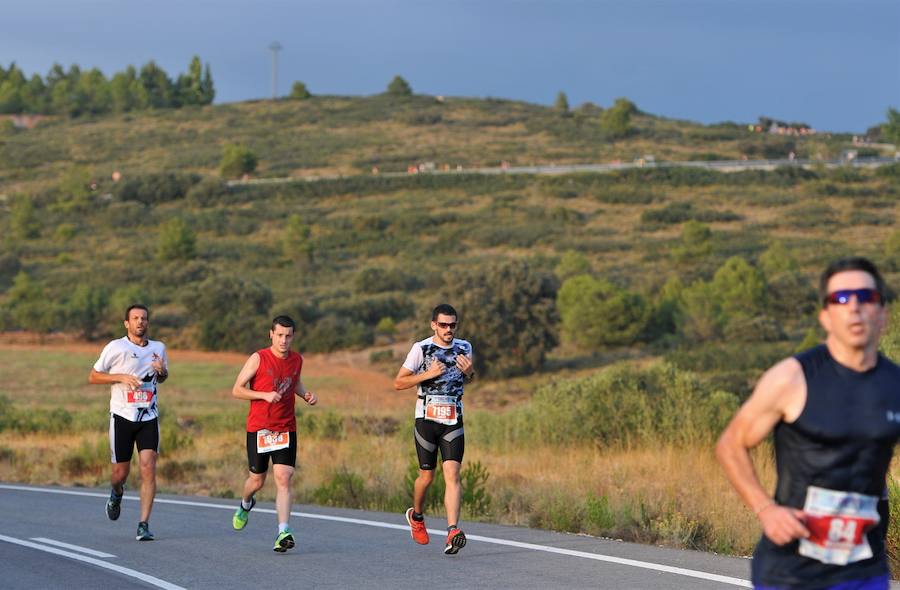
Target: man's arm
<point>780,394</point>
<point>308,396</point>
<point>100,378</point>
<point>406,378</point>
<point>240,390</point>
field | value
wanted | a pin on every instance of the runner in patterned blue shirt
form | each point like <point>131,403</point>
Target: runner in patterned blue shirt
<point>437,367</point>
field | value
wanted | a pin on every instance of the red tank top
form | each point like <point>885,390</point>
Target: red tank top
<point>275,374</point>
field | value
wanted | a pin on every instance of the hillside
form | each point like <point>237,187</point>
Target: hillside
<point>361,259</point>
<point>350,135</point>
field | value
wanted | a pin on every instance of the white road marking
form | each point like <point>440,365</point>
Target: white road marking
<point>154,581</point>
<point>93,552</point>
<point>374,523</point>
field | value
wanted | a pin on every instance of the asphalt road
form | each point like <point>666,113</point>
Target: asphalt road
<point>60,538</point>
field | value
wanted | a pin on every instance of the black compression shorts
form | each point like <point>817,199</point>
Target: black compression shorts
<point>431,436</point>
<point>259,462</point>
<point>124,434</point>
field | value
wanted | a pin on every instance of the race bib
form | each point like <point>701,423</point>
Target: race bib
<point>441,409</point>
<point>140,398</point>
<point>837,523</point>
<point>268,441</point>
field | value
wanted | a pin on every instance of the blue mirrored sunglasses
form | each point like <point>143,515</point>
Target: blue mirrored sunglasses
<point>843,296</point>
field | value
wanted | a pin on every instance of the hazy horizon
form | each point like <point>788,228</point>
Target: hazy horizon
<point>832,64</point>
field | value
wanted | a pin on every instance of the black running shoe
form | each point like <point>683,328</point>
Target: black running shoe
<point>143,532</point>
<point>114,505</point>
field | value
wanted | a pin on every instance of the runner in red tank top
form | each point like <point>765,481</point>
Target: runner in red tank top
<point>269,380</point>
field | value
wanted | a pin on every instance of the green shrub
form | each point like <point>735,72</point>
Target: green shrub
<point>596,313</point>
<point>299,91</point>
<point>152,189</point>
<point>344,488</point>
<point>623,405</point>
<point>176,241</point>
<point>237,160</point>
<point>508,312</point>
<point>208,191</point>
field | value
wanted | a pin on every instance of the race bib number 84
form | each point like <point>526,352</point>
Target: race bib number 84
<point>837,523</point>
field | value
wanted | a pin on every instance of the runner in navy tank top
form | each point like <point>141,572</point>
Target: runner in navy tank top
<point>835,414</point>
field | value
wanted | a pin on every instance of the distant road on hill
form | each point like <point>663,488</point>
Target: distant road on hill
<point>718,165</point>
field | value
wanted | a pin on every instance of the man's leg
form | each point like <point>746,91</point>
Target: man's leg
<point>420,488</point>
<point>147,459</point>
<point>453,493</point>
<point>118,476</point>
<point>254,483</point>
<point>283,475</point>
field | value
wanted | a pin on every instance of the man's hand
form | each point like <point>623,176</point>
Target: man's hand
<point>129,380</point>
<point>464,364</point>
<point>310,398</point>
<point>436,369</point>
<point>782,524</point>
<point>159,366</point>
<point>272,397</point>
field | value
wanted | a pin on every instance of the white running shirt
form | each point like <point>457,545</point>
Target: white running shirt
<point>124,356</point>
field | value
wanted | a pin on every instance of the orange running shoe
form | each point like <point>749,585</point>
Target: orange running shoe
<point>417,528</point>
<point>456,540</point>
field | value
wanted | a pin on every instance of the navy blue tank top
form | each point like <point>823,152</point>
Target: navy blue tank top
<point>843,440</point>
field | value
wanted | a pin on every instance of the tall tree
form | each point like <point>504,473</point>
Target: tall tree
<point>207,89</point>
<point>158,86</point>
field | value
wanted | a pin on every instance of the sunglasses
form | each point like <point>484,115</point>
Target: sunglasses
<point>843,296</point>
<point>445,325</point>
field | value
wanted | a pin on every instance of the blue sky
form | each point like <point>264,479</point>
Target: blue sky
<point>832,64</point>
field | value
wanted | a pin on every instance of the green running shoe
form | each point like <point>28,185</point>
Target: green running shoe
<point>284,541</point>
<point>241,516</point>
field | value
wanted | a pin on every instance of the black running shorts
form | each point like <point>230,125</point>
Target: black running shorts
<point>259,462</point>
<point>431,436</point>
<point>124,434</point>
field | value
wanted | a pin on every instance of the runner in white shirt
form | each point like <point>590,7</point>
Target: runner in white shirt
<point>133,366</point>
<point>437,367</point>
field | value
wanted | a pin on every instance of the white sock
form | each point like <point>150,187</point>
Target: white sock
<point>282,526</point>
<point>245,505</point>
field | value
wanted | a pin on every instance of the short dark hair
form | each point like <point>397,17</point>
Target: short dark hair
<point>285,321</point>
<point>136,306</point>
<point>852,263</point>
<point>443,309</point>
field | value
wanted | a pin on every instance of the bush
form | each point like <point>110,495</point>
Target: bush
<point>230,312</point>
<point>237,161</point>
<point>508,312</point>
<point>299,91</point>
<point>379,280</point>
<point>176,241</point>
<point>623,406</point>
<point>596,313</point>
<point>344,488</point>
<point>152,189</point>
<point>209,191</point>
